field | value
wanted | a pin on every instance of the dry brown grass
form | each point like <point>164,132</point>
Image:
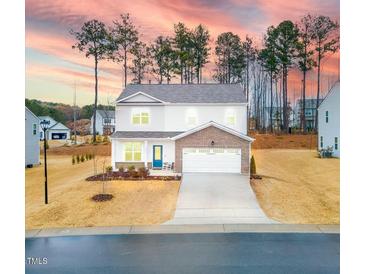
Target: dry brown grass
<point>297,186</point>
<point>70,204</point>
<point>284,141</point>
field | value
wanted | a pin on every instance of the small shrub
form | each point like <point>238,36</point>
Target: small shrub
<point>82,159</point>
<point>78,158</point>
<point>109,168</point>
<point>73,159</point>
<point>121,169</point>
<point>99,138</point>
<point>106,139</point>
<point>132,171</point>
<point>253,165</point>
<point>143,172</point>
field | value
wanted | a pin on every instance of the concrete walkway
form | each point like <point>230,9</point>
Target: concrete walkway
<point>217,198</point>
<point>173,229</point>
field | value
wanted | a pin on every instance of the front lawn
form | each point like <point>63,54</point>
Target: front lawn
<point>297,186</point>
<point>70,204</point>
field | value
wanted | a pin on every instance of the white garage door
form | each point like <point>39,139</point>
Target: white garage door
<point>226,160</point>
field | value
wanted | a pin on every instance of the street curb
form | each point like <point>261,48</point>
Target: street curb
<point>178,229</point>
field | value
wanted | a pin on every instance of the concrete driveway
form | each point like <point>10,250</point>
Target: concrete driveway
<point>217,198</point>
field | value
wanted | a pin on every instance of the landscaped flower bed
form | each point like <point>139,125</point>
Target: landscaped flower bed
<point>120,175</point>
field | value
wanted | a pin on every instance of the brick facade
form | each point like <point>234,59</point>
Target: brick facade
<point>222,139</point>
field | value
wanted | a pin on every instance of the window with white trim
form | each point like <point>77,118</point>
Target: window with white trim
<point>133,152</point>
<point>34,129</point>
<point>326,116</point>
<point>140,117</point>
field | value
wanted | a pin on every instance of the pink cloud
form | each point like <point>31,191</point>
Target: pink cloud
<point>49,22</point>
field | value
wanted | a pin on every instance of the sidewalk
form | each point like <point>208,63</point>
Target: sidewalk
<point>173,229</point>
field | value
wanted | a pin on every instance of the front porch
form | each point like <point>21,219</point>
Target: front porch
<point>158,155</point>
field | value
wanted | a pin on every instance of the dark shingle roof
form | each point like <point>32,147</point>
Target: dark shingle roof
<point>145,134</point>
<point>189,93</point>
<point>106,113</point>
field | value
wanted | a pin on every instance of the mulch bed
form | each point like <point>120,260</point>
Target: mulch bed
<point>102,197</point>
<point>120,176</point>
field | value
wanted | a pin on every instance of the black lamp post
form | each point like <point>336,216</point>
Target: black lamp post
<point>45,126</point>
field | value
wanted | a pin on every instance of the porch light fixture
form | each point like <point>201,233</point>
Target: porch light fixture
<point>45,126</point>
<point>212,143</point>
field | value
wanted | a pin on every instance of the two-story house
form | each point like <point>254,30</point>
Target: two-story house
<point>194,128</point>
<point>329,121</point>
<point>31,139</point>
<point>105,122</point>
<point>310,112</point>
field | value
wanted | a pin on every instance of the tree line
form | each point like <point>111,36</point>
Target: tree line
<point>62,112</point>
<point>259,68</point>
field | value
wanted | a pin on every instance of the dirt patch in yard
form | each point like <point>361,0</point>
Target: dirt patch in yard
<point>70,203</point>
<point>285,141</point>
<point>297,186</point>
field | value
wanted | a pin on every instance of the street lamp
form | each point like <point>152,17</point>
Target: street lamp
<point>45,126</point>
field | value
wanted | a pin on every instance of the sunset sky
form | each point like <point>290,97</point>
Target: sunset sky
<point>54,69</point>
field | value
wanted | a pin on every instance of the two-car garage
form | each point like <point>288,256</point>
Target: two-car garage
<point>207,159</point>
<point>212,148</point>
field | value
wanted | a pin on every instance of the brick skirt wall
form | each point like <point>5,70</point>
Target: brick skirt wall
<point>222,139</point>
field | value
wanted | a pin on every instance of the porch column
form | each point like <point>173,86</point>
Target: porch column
<point>145,154</point>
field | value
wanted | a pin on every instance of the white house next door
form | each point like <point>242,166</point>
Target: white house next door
<point>224,160</point>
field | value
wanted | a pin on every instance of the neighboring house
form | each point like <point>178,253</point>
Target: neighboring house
<point>31,139</point>
<point>277,117</point>
<point>56,130</point>
<point>329,121</point>
<point>105,122</point>
<point>191,127</point>
<point>310,112</point>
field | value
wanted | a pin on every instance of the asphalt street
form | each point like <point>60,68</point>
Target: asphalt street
<point>185,253</point>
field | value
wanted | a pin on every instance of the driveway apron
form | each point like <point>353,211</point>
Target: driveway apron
<point>217,198</point>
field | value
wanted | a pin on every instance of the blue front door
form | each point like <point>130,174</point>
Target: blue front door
<point>157,156</point>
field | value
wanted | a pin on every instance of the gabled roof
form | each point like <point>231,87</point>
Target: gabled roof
<point>310,102</point>
<point>27,109</point>
<point>214,124</point>
<point>144,134</point>
<point>53,123</point>
<point>188,93</point>
<point>106,113</point>
<point>336,86</point>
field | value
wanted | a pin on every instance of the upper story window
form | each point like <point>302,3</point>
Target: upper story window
<point>326,116</point>
<point>231,117</point>
<point>107,120</point>
<point>140,117</point>
<point>191,117</point>
<point>34,129</point>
